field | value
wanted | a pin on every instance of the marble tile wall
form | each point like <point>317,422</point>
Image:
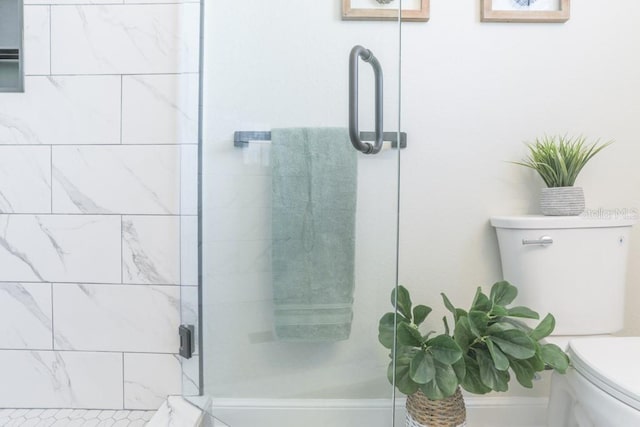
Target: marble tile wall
<point>98,226</point>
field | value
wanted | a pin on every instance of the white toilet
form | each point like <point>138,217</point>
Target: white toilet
<point>575,268</point>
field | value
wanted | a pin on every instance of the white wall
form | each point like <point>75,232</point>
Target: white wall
<point>472,93</point>
<point>93,219</point>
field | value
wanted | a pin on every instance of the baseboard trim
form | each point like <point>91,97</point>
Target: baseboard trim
<point>490,411</point>
<point>506,411</point>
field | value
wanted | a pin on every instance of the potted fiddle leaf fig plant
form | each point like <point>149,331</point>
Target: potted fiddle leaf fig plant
<point>479,352</point>
<point>558,160</point>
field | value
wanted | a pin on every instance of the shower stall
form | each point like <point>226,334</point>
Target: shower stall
<point>274,75</point>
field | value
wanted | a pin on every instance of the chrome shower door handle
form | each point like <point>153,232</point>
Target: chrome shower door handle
<point>359,52</point>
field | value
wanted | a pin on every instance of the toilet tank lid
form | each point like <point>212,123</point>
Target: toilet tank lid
<point>611,364</point>
<point>542,222</point>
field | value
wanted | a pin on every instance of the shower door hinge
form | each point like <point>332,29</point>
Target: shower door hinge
<point>187,345</point>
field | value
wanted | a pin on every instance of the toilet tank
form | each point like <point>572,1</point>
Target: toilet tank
<point>572,267</point>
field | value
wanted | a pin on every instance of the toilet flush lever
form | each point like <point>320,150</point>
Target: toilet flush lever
<point>543,241</point>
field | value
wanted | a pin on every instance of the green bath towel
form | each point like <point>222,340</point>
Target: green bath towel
<point>314,172</point>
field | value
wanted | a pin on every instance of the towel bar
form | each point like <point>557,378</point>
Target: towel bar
<point>242,138</point>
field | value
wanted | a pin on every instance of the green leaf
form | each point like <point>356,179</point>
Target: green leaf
<point>457,312</point>
<point>448,305</point>
<point>499,359</point>
<point>517,324</point>
<point>481,302</point>
<point>444,349</point>
<point>522,312</point>
<point>426,336</point>
<point>524,372</point>
<point>446,325</point>
<point>409,335</point>
<point>403,301</point>
<point>498,311</point>
<point>462,333</point>
<point>503,293</point>
<point>544,328</point>
<point>500,327</point>
<point>489,375</point>
<point>420,312</point>
<point>478,323</point>
<point>472,382</point>
<point>460,369</point>
<point>536,361</point>
<point>444,383</point>
<point>403,381</point>
<point>553,356</point>
<point>515,343</point>
<point>386,330</point>
<point>422,368</point>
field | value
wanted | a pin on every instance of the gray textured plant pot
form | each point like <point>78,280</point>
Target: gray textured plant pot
<point>559,201</point>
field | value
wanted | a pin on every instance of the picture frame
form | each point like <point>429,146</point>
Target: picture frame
<point>363,10</point>
<point>511,11</point>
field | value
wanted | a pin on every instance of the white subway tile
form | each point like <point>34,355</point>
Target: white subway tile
<point>25,317</point>
<point>125,318</point>
<point>191,376</point>
<point>189,179</point>
<point>37,54</point>
<point>116,179</point>
<point>62,110</point>
<point>189,250</point>
<point>144,388</point>
<point>160,109</point>
<point>25,179</point>
<point>189,310</point>
<point>52,379</point>
<point>59,248</point>
<point>125,39</point>
<point>151,249</point>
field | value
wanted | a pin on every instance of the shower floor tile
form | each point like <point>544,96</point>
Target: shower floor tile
<point>73,418</point>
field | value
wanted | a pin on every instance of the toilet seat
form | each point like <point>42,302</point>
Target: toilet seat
<point>611,364</point>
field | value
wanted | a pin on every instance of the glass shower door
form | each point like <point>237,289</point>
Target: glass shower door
<point>299,230</point>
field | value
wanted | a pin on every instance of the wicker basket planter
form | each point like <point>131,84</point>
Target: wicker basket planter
<point>424,412</point>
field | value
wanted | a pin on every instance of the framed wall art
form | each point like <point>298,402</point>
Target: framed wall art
<point>524,10</point>
<point>385,10</point>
